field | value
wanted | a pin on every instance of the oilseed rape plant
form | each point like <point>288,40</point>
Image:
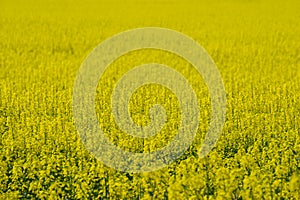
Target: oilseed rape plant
<point>152,73</point>
<point>255,46</point>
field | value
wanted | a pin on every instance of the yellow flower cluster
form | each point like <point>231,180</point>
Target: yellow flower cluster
<point>255,45</point>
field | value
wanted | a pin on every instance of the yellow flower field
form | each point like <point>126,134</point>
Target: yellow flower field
<point>255,45</point>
